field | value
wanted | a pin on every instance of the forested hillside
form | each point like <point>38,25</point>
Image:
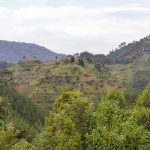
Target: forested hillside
<point>79,102</point>
<point>124,54</point>
<point>44,81</point>
<point>74,123</point>
<point>127,53</point>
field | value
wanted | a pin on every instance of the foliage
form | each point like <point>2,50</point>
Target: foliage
<point>4,108</point>
<point>105,132</point>
<point>72,59</point>
<point>72,122</point>
<point>23,145</point>
<point>116,97</point>
<point>67,125</point>
<point>128,53</point>
<point>87,56</point>
<point>19,103</point>
<point>141,78</point>
<point>115,127</point>
<point>8,137</point>
<point>103,71</point>
<point>7,131</point>
<point>81,62</point>
<point>142,109</point>
<point>144,98</point>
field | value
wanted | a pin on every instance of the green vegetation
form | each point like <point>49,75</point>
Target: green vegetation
<point>25,114</point>
<point>81,102</point>
<point>44,82</point>
<point>67,123</point>
<point>74,123</point>
<point>115,126</point>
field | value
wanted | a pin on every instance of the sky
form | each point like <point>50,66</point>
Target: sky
<point>71,26</point>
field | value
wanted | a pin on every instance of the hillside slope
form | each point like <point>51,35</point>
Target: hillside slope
<point>127,53</point>
<point>44,81</point>
<point>133,75</point>
<point>13,52</point>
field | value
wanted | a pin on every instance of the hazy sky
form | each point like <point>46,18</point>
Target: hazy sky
<point>70,26</point>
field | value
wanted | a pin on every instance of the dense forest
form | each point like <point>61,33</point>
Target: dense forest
<point>74,123</point>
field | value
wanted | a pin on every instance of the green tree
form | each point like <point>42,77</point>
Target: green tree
<point>115,127</point>
<point>23,145</point>
<point>67,125</point>
<point>7,137</point>
<point>81,62</point>
<point>109,116</point>
<point>4,108</point>
<point>142,108</point>
<point>134,136</point>
<point>144,99</point>
<point>7,130</point>
<point>72,59</point>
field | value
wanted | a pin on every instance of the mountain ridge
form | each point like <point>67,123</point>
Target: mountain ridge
<point>124,54</point>
<point>13,52</point>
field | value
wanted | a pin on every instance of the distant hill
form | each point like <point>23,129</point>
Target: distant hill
<point>4,65</point>
<point>127,53</point>
<point>13,52</point>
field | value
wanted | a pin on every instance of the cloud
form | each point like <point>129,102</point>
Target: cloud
<point>71,29</point>
<point>87,3</point>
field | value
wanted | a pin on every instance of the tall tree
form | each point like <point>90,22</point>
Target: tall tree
<point>67,125</point>
<point>7,130</point>
<point>115,127</point>
<point>105,133</point>
<point>142,109</point>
